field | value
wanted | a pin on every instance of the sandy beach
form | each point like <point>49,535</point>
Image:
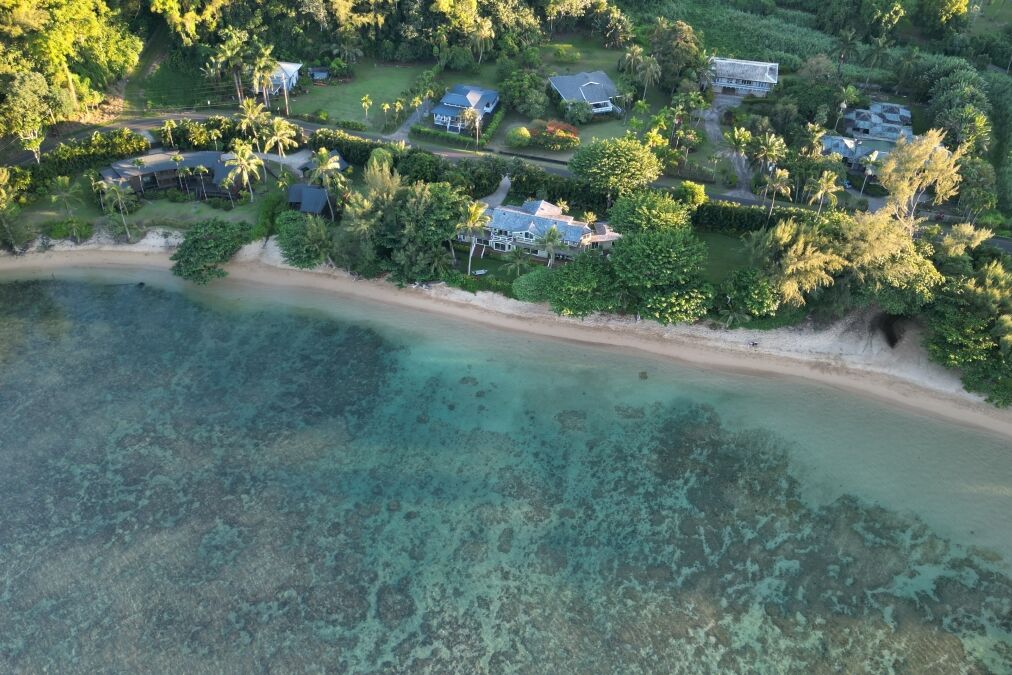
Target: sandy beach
<point>848,355</point>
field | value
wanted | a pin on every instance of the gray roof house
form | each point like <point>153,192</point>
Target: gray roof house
<point>159,171</point>
<point>736,76</point>
<point>524,226</point>
<point>307,198</point>
<point>882,121</point>
<point>853,150</point>
<point>448,114</point>
<point>595,88</point>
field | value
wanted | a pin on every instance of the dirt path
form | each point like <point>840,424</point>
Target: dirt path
<point>711,122</point>
<point>414,118</point>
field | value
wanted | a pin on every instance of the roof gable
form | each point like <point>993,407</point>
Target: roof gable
<point>592,87</point>
<point>750,71</point>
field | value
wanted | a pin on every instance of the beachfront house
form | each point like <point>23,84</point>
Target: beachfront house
<point>594,88</point>
<point>307,198</point>
<point>449,114</point>
<point>202,172</point>
<point>735,76</point>
<point>525,227</point>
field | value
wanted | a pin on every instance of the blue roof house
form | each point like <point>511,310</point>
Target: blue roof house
<point>449,113</point>
<point>525,226</point>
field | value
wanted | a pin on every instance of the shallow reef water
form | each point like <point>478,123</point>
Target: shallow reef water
<point>196,487</point>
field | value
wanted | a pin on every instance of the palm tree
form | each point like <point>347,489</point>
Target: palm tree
<point>398,109</point>
<point>769,149</point>
<point>264,66</point>
<point>870,162</point>
<point>779,182</point>
<point>250,119</point>
<point>472,225</point>
<point>632,59</point>
<point>739,140</point>
<point>878,53</point>
<point>214,135</point>
<point>119,196</point>
<point>416,102</point>
<point>231,54</point>
<point>245,165</point>
<point>177,159</point>
<point>167,127</point>
<point>385,107</point>
<point>482,35</point>
<point>648,73</point>
<point>64,191</point>
<point>138,163</point>
<point>201,171</point>
<point>848,41</point>
<point>471,119</point>
<point>518,260</point>
<point>185,173</point>
<point>551,241</point>
<point>282,136</point>
<point>366,104</point>
<point>823,188</point>
<point>326,171</point>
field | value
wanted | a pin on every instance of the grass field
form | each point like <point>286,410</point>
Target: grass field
<point>343,101</point>
<point>993,17</point>
<point>726,254</point>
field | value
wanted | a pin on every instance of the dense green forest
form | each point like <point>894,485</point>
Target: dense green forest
<point>803,252</point>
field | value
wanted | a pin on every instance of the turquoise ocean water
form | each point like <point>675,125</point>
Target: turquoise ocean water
<point>233,481</point>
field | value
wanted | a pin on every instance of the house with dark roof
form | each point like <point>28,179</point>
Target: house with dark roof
<point>206,171</point>
<point>736,76</point>
<point>882,121</point>
<point>449,113</point>
<point>307,198</point>
<point>525,227</point>
<point>594,88</point>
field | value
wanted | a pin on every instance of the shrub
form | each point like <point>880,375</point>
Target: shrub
<point>354,149</point>
<point>647,210</point>
<point>206,246</point>
<point>576,112</point>
<point>271,206</point>
<point>535,286</point>
<point>304,240</point>
<point>319,115</point>
<point>175,196</point>
<point>554,135</point>
<point>351,125</point>
<point>732,217</point>
<point>690,193</point>
<point>70,228</point>
<point>566,54</point>
<point>339,69</point>
<point>518,137</point>
<point>748,291</point>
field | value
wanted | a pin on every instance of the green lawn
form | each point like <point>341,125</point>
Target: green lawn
<point>993,17</point>
<point>726,254</point>
<point>383,83</point>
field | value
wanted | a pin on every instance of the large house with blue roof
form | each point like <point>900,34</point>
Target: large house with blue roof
<point>448,114</point>
<point>525,227</point>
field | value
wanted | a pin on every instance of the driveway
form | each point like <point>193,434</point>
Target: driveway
<point>711,122</point>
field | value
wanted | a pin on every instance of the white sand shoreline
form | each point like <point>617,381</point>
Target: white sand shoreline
<point>846,356</point>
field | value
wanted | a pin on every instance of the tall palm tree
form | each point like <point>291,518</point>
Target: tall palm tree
<point>231,55</point>
<point>245,165</point>
<point>250,119</point>
<point>518,260</point>
<point>848,42</point>
<point>823,188</point>
<point>779,183</point>
<point>281,135</point>
<point>739,139</point>
<point>551,242</point>
<point>366,104</point>
<point>878,53</point>
<point>64,191</point>
<point>473,224</point>
<point>385,107</point>
<point>200,170</point>
<point>632,59</point>
<point>648,73</point>
<point>482,35</point>
<point>326,172</point>
<point>184,178</point>
<point>118,196</point>
<point>168,126</point>
<point>177,159</point>
<point>264,65</point>
<point>471,119</point>
<point>870,162</point>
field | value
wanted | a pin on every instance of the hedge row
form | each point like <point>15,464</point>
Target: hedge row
<point>733,217</point>
<point>73,157</point>
<point>354,149</point>
<point>462,139</point>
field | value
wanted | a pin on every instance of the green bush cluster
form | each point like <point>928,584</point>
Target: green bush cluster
<point>69,228</point>
<point>206,246</point>
<point>535,286</point>
<point>73,157</point>
<point>732,217</point>
<point>354,149</point>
